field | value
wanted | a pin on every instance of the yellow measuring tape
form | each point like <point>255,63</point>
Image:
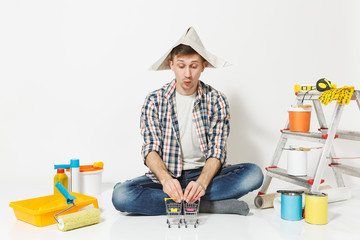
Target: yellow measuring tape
<point>323,84</point>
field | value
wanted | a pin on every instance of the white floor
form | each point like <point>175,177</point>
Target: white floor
<point>343,223</point>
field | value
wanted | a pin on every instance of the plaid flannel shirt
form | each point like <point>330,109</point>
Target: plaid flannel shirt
<point>160,127</point>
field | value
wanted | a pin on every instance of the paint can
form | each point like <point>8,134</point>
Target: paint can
<point>291,205</point>
<point>90,180</point>
<point>316,208</point>
<point>297,162</point>
<point>299,118</point>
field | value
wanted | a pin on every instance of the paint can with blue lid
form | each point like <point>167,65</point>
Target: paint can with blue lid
<point>291,205</point>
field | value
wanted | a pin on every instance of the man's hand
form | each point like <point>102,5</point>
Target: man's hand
<point>173,188</point>
<point>170,185</point>
<point>197,189</point>
<point>192,191</point>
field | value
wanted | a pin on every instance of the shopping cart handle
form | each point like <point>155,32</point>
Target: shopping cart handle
<point>196,199</point>
<point>169,199</point>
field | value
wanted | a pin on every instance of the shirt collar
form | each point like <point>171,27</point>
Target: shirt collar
<point>170,90</point>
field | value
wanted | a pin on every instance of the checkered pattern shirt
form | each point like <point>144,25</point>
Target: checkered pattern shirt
<point>160,127</point>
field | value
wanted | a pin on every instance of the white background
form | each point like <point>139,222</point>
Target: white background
<point>74,75</point>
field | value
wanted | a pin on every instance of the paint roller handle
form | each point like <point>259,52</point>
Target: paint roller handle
<point>69,198</point>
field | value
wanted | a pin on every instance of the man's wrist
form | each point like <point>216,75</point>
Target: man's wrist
<point>202,184</point>
<point>164,179</point>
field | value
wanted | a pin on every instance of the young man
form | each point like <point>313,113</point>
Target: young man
<point>185,126</point>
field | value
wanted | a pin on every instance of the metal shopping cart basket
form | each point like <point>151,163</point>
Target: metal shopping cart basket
<point>173,212</point>
<point>191,211</point>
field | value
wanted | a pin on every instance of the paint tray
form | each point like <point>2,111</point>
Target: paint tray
<point>40,211</point>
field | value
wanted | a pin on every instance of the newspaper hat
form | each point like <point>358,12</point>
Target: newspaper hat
<point>191,39</point>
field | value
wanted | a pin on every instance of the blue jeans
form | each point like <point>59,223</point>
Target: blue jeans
<point>142,196</point>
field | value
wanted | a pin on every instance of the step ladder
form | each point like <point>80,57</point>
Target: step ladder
<point>326,136</point>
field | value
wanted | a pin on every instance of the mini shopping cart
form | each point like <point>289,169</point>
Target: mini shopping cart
<point>173,212</point>
<point>191,211</point>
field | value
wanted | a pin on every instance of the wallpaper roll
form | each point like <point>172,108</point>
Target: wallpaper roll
<point>266,200</point>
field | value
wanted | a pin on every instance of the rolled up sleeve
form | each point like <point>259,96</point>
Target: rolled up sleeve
<point>150,128</point>
<point>219,129</point>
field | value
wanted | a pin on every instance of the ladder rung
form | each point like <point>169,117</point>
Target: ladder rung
<point>306,136</point>
<point>343,134</point>
<point>346,169</point>
<point>282,174</point>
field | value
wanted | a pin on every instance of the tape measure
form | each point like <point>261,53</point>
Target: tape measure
<point>323,84</point>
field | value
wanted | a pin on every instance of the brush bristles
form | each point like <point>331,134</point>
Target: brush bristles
<point>79,219</point>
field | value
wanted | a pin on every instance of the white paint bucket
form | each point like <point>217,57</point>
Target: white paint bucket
<point>90,180</point>
<point>297,162</point>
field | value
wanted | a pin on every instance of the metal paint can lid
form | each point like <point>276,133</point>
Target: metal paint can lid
<point>316,194</point>
<point>290,193</point>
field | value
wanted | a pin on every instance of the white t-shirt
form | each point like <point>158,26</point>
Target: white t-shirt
<point>192,155</point>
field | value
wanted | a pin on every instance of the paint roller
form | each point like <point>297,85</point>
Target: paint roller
<point>78,219</point>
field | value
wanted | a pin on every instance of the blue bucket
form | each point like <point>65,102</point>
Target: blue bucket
<point>291,205</point>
